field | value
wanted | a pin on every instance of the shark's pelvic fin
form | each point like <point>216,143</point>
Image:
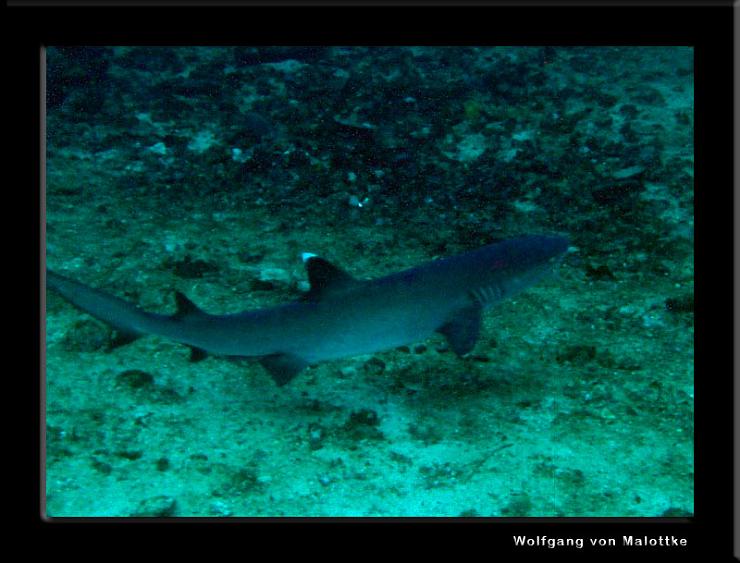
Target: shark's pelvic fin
<point>462,329</point>
<point>197,354</point>
<point>283,367</point>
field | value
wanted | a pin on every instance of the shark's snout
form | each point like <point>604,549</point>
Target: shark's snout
<point>535,250</point>
<point>551,246</point>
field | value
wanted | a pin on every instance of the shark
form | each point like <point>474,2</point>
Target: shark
<point>340,315</point>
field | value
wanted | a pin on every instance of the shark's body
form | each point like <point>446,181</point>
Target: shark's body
<point>341,316</point>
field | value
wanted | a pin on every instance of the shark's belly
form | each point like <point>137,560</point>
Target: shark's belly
<point>356,330</point>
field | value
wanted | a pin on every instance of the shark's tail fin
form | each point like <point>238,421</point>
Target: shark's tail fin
<point>121,315</point>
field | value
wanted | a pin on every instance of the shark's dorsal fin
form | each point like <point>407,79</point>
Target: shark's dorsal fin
<point>185,307</point>
<point>462,329</point>
<point>324,277</point>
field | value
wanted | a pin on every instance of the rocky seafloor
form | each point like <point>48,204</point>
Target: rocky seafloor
<point>209,171</point>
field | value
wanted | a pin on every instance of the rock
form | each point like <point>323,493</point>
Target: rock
<point>159,506</point>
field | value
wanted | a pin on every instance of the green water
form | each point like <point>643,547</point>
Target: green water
<point>210,170</point>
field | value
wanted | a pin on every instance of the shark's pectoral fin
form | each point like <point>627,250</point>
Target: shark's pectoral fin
<point>462,329</point>
<point>283,367</point>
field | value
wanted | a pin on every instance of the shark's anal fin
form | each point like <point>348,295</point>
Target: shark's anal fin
<point>462,329</point>
<point>122,337</point>
<point>283,367</point>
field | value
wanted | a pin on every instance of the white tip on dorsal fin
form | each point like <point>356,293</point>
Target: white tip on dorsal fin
<point>324,276</point>
<point>306,256</point>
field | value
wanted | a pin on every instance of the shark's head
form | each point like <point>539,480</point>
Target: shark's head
<point>539,250</point>
<point>510,266</point>
<point>523,254</point>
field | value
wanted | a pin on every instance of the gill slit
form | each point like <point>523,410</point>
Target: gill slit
<point>486,294</point>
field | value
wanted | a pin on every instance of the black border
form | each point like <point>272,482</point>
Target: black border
<point>708,29</point>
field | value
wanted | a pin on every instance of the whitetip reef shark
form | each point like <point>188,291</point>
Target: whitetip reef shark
<point>340,315</point>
